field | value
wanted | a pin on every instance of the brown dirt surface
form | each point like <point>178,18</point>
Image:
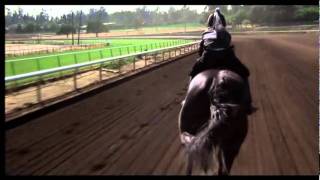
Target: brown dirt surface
<point>116,33</point>
<point>18,48</point>
<point>24,49</point>
<point>130,32</point>
<point>132,128</point>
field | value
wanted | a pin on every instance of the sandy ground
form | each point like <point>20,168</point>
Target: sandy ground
<point>128,33</point>
<point>18,100</point>
<point>27,48</point>
<point>24,49</point>
<point>132,128</point>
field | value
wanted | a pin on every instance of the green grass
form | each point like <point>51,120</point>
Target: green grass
<point>20,65</point>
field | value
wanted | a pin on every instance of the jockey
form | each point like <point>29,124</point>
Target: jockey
<point>215,50</point>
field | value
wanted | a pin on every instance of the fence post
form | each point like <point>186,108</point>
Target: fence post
<point>89,55</point>
<point>145,59</point>
<point>119,65</point>
<point>75,78</point>
<point>39,90</point>
<point>120,51</point>
<point>135,50</point>
<point>128,50</point>
<point>38,64</point>
<point>101,55</point>
<point>59,61</point>
<point>59,64</point>
<point>134,63</point>
<point>162,55</point>
<point>75,58</point>
<point>13,72</point>
<point>100,72</point>
<point>111,52</point>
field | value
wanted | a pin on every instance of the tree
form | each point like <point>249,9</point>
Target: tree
<point>240,15</point>
<point>104,16</point>
<point>8,17</point>
<point>174,16</point>
<point>19,29</point>
<point>53,27</point>
<point>307,13</point>
<point>138,22</point>
<point>94,27</point>
<point>30,28</point>
<point>66,29</point>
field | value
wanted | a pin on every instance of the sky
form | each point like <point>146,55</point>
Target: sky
<point>58,10</point>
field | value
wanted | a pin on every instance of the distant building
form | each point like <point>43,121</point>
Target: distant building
<point>112,25</point>
<point>108,24</point>
<point>83,29</point>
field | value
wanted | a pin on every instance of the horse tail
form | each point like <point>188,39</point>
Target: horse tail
<point>199,147</point>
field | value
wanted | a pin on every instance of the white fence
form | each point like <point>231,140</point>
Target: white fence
<point>99,64</point>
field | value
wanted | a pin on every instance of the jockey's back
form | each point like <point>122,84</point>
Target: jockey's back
<point>216,37</point>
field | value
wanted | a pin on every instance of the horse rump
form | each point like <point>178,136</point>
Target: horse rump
<point>203,148</point>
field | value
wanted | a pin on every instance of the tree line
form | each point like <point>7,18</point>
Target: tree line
<point>94,20</point>
<point>269,14</point>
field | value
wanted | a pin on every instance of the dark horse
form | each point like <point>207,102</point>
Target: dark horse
<point>215,101</point>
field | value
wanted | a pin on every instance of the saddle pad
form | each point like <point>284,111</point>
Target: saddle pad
<point>211,35</point>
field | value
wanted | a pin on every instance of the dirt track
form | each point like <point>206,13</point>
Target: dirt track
<point>132,128</point>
